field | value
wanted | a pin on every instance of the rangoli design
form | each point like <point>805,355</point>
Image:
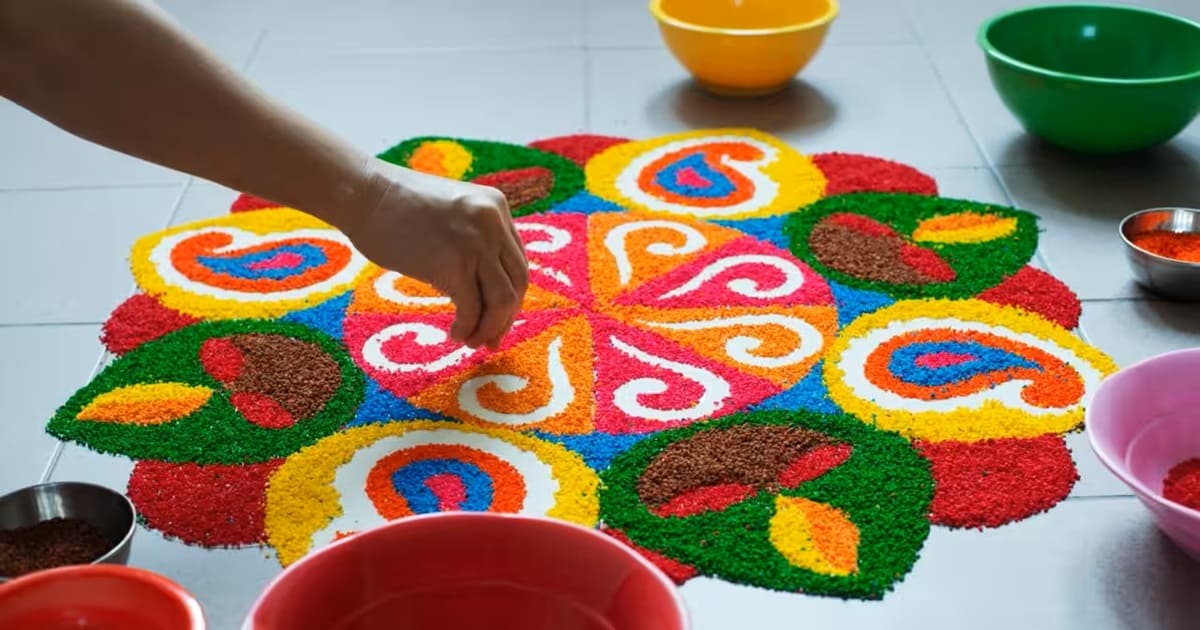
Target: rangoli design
<point>744,362</point>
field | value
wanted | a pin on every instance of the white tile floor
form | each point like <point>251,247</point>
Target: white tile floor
<point>899,78</point>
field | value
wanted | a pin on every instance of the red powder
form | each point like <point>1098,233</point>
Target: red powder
<point>815,463</point>
<point>928,263</point>
<point>847,173</point>
<point>1039,292</point>
<point>262,410</point>
<point>864,225</point>
<point>139,319</point>
<point>213,505</point>
<point>578,148</point>
<point>992,482</point>
<point>677,571</point>
<point>1182,484</point>
<point>1184,247</point>
<point>247,203</point>
<point>708,499</point>
<point>222,359</point>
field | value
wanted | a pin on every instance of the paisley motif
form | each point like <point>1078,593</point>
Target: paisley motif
<point>962,370</point>
<point>255,264</point>
<point>715,174</point>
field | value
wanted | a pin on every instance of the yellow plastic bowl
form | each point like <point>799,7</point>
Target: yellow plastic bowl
<point>744,47</point>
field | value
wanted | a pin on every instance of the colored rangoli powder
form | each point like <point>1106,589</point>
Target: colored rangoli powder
<point>1185,247</point>
<point>1182,484</point>
<point>989,483</point>
<point>744,362</point>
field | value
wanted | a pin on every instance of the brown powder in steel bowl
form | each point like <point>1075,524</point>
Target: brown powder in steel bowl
<point>53,543</point>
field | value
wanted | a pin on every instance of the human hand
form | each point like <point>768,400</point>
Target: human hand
<point>456,236</point>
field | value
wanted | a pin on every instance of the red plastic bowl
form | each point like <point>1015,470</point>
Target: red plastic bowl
<point>97,597</point>
<point>470,570</point>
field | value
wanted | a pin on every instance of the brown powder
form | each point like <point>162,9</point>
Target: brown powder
<point>864,256</point>
<point>296,374</point>
<point>521,186</point>
<point>53,543</point>
<point>750,455</point>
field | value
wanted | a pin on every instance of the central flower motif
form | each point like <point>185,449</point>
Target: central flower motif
<point>632,325</point>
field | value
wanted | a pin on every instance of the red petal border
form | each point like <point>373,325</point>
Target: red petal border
<point>990,483</point>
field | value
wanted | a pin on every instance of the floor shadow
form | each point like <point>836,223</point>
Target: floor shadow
<point>1180,316</point>
<point>1152,584</point>
<point>1105,186</point>
<point>1028,149</point>
<point>799,107</point>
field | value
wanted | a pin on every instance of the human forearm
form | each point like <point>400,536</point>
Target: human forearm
<point>124,76</point>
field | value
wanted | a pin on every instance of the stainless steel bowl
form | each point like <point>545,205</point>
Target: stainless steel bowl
<point>109,511</point>
<point>1166,276</point>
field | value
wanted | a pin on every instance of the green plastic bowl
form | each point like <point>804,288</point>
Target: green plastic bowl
<point>1096,78</point>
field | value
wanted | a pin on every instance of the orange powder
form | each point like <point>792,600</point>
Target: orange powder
<point>1185,247</point>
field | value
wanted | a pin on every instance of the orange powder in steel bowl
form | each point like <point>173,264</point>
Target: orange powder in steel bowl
<point>1174,245</point>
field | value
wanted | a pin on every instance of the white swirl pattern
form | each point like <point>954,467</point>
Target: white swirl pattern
<point>627,397</point>
<point>562,393</point>
<point>422,335</point>
<point>741,348</point>
<point>614,241</point>
<point>747,287</point>
<point>385,287</point>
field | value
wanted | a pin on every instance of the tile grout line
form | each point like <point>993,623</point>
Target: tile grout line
<point>583,22</point>
<point>1099,497</point>
<point>909,22</point>
<point>255,48</point>
<point>586,49</point>
<point>46,324</point>
<point>1151,299</point>
<point>1038,256</point>
<point>567,47</point>
<point>587,90</point>
<point>958,112</point>
<point>56,455</point>
<point>105,355</point>
<point>175,207</point>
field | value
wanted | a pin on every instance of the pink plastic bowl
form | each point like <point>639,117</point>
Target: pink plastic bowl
<point>1142,422</point>
<point>460,570</point>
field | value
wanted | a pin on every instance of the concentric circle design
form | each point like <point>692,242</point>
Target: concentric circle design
<point>443,478</point>
<point>367,475</point>
<point>255,264</point>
